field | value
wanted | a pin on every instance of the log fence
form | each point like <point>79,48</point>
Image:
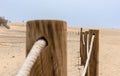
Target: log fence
<point>52,60</point>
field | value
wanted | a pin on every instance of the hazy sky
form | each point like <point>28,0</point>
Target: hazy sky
<point>85,13</point>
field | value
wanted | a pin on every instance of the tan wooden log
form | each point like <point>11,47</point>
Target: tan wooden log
<point>93,68</point>
<point>53,59</point>
<point>83,52</point>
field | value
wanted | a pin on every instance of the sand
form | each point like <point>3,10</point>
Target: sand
<point>12,51</point>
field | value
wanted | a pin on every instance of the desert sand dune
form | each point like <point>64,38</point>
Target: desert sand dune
<point>12,51</point>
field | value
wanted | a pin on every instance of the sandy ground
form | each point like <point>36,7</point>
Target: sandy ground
<point>12,51</point>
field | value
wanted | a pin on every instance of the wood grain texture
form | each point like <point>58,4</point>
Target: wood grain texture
<point>83,48</point>
<point>53,59</point>
<point>93,68</point>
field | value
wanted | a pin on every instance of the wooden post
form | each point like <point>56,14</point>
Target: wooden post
<point>81,47</point>
<point>83,52</point>
<point>94,59</point>
<point>85,39</point>
<point>53,59</point>
<point>85,47</point>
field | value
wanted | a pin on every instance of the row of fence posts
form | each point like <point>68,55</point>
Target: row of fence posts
<point>85,39</point>
<point>53,59</point>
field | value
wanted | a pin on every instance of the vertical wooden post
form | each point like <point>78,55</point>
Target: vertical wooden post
<point>94,59</point>
<point>85,39</point>
<point>83,47</point>
<point>53,59</point>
